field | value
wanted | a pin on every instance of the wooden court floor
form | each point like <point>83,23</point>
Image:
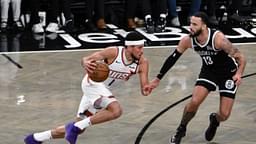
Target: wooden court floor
<point>44,92</point>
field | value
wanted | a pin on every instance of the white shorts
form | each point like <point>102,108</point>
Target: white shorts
<point>95,97</point>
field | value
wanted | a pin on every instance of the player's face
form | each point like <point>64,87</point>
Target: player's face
<point>137,51</point>
<point>196,26</point>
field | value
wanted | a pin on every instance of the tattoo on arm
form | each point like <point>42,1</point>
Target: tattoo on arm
<point>233,52</point>
<point>229,48</point>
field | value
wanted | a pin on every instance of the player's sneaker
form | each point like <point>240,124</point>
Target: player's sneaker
<point>211,130</point>
<point>52,27</point>
<point>180,133</point>
<point>3,26</point>
<point>72,132</point>
<point>17,26</point>
<point>31,140</point>
<point>149,24</point>
<point>160,25</point>
<point>37,28</point>
<point>89,25</point>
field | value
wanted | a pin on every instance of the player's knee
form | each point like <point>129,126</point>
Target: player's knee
<point>115,109</point>
<point>193,105</point>
<point>116,113</point>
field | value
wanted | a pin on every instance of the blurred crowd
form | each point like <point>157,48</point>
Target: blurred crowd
<point>51,16</point>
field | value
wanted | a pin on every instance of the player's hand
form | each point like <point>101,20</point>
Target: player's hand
<point>89,66</point>
<point>147,89</point>
<point>154,83</point>
<point>238,79</point>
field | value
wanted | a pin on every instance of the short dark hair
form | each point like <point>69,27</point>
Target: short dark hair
<point>134,36</point>
<point>203,16</point>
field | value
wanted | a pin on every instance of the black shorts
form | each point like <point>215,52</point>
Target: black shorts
<point>211,81</point>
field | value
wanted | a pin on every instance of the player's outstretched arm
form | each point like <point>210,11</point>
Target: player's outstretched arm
<point>183,45</point>
<point>143,75</point>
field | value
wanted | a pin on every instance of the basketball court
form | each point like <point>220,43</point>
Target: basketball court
<point>41,90</point>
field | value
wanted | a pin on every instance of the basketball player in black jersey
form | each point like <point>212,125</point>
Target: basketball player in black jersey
<point>223,66</point>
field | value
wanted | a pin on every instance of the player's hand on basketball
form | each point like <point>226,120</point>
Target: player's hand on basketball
<point>89,66</point>
<point>237,78</point>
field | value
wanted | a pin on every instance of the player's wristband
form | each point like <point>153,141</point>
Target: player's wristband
<point>160,76</point>
<point>169,62</point>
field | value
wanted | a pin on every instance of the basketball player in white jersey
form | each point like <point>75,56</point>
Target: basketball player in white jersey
<point>98,104</point>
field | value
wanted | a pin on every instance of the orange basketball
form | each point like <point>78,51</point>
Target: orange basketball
<point>100,73</point>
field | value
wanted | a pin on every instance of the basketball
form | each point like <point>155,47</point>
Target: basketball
<point>100,73</point>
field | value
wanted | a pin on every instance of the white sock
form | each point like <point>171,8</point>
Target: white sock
<point>83,123</point>
<point>43,136</point>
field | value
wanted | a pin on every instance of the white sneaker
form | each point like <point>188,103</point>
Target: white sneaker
<point>3,25</point>
<point>37,28</point>
<point>52,27</point>
<point>175,21</point>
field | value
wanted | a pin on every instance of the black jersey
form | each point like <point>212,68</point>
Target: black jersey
<point>213,59</point>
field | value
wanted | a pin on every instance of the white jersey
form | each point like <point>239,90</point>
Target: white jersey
<point>93,91</point>
<point>119,69</point>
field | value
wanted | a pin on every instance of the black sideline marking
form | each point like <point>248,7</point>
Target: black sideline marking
<point>11,60</point>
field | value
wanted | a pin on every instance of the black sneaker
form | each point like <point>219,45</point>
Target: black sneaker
<point>161,23</point>
<point>69,26</point>
<point>90,26</point>
<point>180,133</point>
<point>149,25</point>
<point>211,130</point>
<point>17,26</point>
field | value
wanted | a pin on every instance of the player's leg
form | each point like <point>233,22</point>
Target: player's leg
<point>101,98</point>
<point>204,84</point>
<point>226,105</point>
<point>110,110</point>
<point>40,137</point>
<point>59,132</point>
<point>227,90</point>
<point>113,111</point>
<point>55,133</point>
<point>198,96</point>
